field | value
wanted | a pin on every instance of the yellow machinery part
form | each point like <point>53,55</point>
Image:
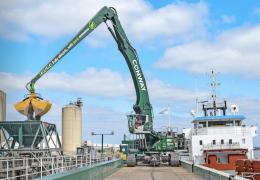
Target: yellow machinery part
<point>23,106</point>
<point>40,107</point>
<point>123,156</point>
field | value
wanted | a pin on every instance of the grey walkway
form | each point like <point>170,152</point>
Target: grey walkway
<point>150,173</point>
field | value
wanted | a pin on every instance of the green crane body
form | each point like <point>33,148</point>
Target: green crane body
<point>142,107</point>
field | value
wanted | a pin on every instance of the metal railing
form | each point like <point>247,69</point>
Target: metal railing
<point>251,175</point>
<point>29,168</point>
<point>222,130</point>
<point>211,146</point>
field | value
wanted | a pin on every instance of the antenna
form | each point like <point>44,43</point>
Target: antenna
<point>211,107</point>
<point>214,85</point>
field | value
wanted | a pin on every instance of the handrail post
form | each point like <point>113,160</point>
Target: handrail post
<point>76,161</point>
<point>26,169</point>
<point>90,158</point>
<point>41,166</point>
<point>70,163</point>
<point>7,169</point>
<point>61,163</point>
<point>52,161</point>
<point>81,161</point>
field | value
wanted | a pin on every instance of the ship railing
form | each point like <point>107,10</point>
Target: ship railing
<point>210,105</point>
<point>30,168</point>
<point>250,175</point>
<point>221,130</point>
<point>212,146</point>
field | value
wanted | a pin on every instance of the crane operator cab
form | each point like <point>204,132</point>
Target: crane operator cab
<point>138,123</point>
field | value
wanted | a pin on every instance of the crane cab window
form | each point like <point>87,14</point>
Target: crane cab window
<point>136,122</point>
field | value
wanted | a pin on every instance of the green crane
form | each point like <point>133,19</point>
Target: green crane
<point>140,122</point>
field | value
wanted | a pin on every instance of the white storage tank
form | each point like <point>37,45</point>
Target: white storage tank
<point>2,111</point>
<point>72,127</point>
<point>2,106</point>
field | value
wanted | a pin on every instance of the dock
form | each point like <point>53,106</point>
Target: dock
<point>115,169</point>
<point>153,173</point>
<point>124,83</point>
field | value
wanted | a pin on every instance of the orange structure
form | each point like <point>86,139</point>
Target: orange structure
<point>224,159</point>
<point>248,168</point>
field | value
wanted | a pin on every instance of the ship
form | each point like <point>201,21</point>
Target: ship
<point>219,136</point>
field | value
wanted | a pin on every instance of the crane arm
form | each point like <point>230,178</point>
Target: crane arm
<point>142,105</point>
<point>100,17</point>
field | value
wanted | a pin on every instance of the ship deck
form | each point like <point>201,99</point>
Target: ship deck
<point>153,173</point>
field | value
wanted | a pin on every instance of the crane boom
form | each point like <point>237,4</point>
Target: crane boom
<point>142,105</point>
<point>150,145</point>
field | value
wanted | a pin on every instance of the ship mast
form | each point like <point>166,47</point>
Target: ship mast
<point>214,85</point>
<point>211,108</point>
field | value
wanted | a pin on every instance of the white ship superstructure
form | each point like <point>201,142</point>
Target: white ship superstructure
<point>217,140</point>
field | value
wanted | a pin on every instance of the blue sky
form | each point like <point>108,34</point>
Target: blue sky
<point>178,42</point>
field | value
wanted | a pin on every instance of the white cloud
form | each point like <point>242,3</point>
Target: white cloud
<point>233,52</point>
<point>257,11</point>
<point>249,107</point>
<point>93,82</point>
<point>98,83</point>
<point>141,21</point>
<point>164,92</point>
<point>228,19</point>
<point>179,20</point>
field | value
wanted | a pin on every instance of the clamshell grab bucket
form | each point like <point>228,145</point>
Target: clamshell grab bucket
<point>33,106</point>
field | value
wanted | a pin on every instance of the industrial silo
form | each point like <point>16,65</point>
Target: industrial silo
<point>2,111</point>
<point>71,127</point>
<point>2,106</point>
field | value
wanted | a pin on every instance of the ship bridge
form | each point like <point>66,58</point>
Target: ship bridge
<point>220,136</point>
<point>217,121</point>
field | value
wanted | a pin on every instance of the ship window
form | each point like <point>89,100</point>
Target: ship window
<point>222,141</point>
<point>220,123</point>
<point>202,124</point>
<point>229,123</point>
<point>237,123</point>
<point>230,141</point>
<point>201,142</point>
<point>214,141</point>
<point>244,141</point>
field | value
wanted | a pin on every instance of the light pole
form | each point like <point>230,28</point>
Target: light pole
<point>102,138</point>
